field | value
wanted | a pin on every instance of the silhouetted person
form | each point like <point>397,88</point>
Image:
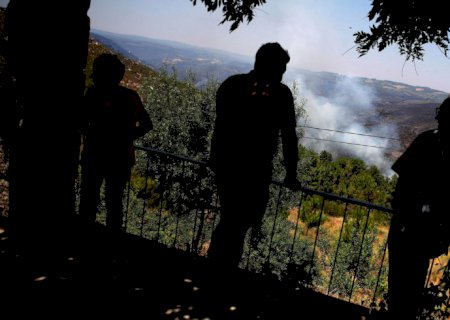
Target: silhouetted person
<point>420,228</point>
<point>251,111</point>
<point>114,118</point>
<point>48,74</point>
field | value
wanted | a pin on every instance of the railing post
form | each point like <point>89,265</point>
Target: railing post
<point>317,236</point>
<point>145,191</point>
<point>337,248</point>
<point>296,226</point>
<point>162,198</point>
<point>272,234</point>
<point>380,270</point>
<point>169,185</point>
<point>355,275</point>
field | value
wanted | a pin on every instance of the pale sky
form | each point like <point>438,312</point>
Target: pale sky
<point>317,33</point>
<point>319,37</point>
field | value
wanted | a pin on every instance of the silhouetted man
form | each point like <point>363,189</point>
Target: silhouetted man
<point>251,111</point>
<point>420,227</point>
<point>49,79</point>
<point>114,118</point>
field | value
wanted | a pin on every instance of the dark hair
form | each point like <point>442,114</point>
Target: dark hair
<point>443,110</point>
<point>269,53</point>
<point>107,68</point>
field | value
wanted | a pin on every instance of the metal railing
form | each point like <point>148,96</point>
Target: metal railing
<point>329,243</point>
<point>309,239</point>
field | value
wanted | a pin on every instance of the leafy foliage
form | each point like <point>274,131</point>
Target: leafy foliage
<point>348,177</point>
<point>235,11</point>
<point>409,24</point>
<point>182,114</point>
<point>173,201</point>
<point>437,298</point>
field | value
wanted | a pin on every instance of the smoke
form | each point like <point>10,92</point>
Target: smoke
<point>345,122</point>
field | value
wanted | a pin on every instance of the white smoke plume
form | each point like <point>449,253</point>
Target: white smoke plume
<point>347,109</point>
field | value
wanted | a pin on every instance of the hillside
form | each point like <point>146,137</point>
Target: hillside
<point>409,109</point>
<point>184,57</point>
<point>134,74</point>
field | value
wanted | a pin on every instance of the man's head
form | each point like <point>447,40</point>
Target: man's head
<point>270,62</point>
<point>107,70</point>
<point>443,118</point>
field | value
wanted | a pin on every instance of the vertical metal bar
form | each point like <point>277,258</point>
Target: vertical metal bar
<point>193,231</point>
<point>306,238</point>
<point>176,231</point>
<point>201,233</point>
<point>430,269</point>
<point>359,255</point>
<point>280,192</point>
<point>183,167</point>
<point>145,192</point>
<point>128,203</point>
<point>199,212</point>
<point>216,205</point>
<point>296,227</point>
<point>162,199</point>
<point>337,248</point>
<point>317,236</point>
<point>380,270</point>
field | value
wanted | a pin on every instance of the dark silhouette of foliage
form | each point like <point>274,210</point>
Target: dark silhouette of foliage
<point>233,11</point>
<point>409,24</point>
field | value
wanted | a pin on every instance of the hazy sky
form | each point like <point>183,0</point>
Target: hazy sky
<point>317,33</point>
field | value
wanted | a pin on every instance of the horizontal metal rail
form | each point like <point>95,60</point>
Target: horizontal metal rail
<point>340,261</point>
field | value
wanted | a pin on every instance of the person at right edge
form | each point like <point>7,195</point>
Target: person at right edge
<point>252,110</point>
<point>420,226</point>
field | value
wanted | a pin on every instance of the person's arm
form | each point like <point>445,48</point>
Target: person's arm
<point>143,122</point>
<point>217,141</point>
<point>290,141</point>
<point>410,184</point>
<point>85,112</point>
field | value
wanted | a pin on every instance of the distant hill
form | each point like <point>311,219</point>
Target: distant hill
<point>135,70</point>
<point>410,108</point>
<point>184,57</point>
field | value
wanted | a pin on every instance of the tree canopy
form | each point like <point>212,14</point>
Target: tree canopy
<point>235,11</point>
<point>408,23</point>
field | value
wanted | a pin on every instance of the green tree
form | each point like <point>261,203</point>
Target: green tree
<point>170,197</point>
<point>182,113</point>
<point>235,11</point>
<point>409,23</point>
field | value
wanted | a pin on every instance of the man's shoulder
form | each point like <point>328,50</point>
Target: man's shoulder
<point>421,149</point>
<point>127,93</point>
<point>426,136</point>
<point>234,82</point>
<point>240,77</point>
<point>428,133</point>
<point>125,90</point>
<point>284,89</point>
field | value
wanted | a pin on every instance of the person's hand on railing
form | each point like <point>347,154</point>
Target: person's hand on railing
<point>292,182</point>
